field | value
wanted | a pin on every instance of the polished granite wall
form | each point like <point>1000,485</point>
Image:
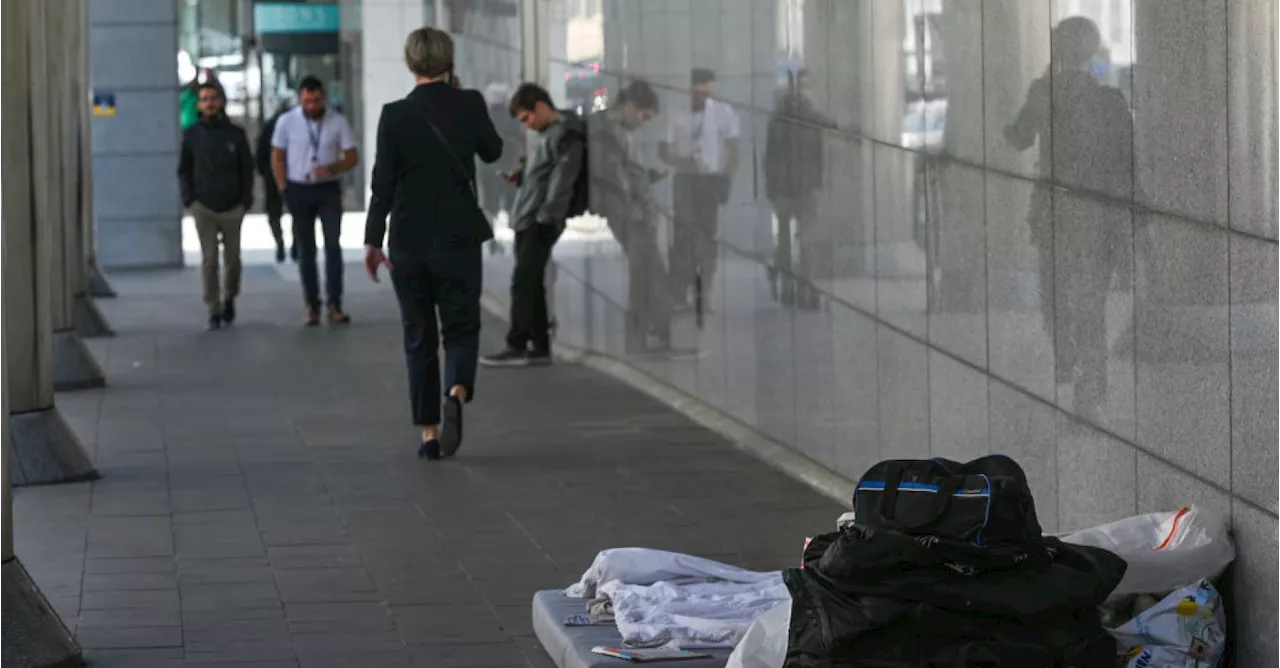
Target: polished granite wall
<point>1042,227</point>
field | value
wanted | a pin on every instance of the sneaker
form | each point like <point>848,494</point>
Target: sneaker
<point>215,322</point>
<point>429,450</point>
<point>506,358</point>
<point>229,311</point>
<point>451,430</point>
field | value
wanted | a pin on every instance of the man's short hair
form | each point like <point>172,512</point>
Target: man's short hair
<point>209,85</point>
<point>311,84</point>
<point>701,75</point>
<point>640,94</point>
<point>428,52</point>
<point>527,97</point>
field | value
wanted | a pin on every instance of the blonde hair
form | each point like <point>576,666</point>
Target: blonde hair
<point>428,52</point>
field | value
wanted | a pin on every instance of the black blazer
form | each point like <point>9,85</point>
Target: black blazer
<point>417,182</point>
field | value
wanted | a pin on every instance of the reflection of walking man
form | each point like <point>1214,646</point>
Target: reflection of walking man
<point>793,177</point>
<point>1091,129</point>
<point>621,193</point>
<point>215,172</point>
<point>703,146</point>
<point>275,202</point>
<point>312,146</point>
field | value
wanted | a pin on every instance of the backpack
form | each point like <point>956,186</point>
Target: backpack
<point>983,502</point>
<point>581,200</point>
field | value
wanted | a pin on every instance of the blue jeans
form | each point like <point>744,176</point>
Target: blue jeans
<point>308,201</point>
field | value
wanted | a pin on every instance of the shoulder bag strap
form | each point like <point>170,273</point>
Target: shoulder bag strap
<point>456,161</point>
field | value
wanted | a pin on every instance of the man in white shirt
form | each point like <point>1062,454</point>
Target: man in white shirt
<point>703,147</point>
<point>311,148</point>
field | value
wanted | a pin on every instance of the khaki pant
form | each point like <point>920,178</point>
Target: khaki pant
<point>210,227</point>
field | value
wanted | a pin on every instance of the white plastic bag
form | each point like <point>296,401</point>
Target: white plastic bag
<point>1187,629</point>
<point>764,645</point>
<point>1165,551</point>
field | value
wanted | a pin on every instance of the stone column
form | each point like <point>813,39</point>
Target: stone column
<point>44,450</point>
<point>34,635</point>
<point>73,366</point>
<point>77,191</point>
<point>137,207</point>
<point>31,632</point>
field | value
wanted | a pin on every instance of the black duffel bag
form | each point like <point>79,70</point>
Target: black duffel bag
<point>982,502</point>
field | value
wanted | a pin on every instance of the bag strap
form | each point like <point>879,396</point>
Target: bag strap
<point>456,161</point>
<point>941,500</point>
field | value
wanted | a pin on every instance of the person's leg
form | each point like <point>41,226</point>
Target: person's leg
<point>275,212</point>
<point>415,294</point>
<point>229,224</point>
<point>683,237</point>
<point>782,252</point>
<point>330,212</point>
<point>651,274</point>
<point>518,332</point>
<point>540,323</point>
<point>459,281</point>
<point>303,208</point>
<point>707,251</point>
<point>207,231</point>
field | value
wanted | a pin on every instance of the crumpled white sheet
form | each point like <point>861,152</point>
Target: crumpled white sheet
<point>667,599</point>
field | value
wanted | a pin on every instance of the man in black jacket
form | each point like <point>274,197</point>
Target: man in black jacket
<point>215,171</point>
<point>424,178</point>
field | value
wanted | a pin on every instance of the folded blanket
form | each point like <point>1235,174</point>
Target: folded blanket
<point>668,599</point>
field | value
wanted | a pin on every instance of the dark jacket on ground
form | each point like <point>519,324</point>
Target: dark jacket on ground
<point>548,180</point>
<point>216,165</point>
<point>884,599</point>
<point>417,182</point>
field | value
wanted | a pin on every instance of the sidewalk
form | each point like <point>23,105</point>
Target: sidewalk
<point>261,504</point>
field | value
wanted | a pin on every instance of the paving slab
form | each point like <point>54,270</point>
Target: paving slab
<point>261,503</point>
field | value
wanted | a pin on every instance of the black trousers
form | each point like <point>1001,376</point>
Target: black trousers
<point>275,209</point>
<point>696,199</point>
<point>446,287</point>
<point>308,201</point>
<point>530,324</point>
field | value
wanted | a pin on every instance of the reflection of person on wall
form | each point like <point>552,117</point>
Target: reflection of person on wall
<point>793,178</point>
<point>620,192</point>
<point>1085,133</point>
<point>274,203</point>
<point>703,146</point>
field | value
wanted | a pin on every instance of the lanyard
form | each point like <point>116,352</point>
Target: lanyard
<point>314,138</point>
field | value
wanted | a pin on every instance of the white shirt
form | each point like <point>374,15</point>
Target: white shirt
<point>307,143</point>
<point>702,134</point>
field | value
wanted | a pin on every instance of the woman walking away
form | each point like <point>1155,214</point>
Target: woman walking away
<point>424,177</point>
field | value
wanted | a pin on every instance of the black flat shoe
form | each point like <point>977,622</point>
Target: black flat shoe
<point>451,431</point>
<point>215,322</point>
<point>430,451</point>
<point>229,311</point>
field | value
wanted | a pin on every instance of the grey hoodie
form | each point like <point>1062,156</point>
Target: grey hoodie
<point>546,185</point>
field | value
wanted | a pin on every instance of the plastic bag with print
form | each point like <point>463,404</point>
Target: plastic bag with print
<point>1186,629</point>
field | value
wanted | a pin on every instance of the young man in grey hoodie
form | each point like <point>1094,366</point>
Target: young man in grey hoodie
<point>548,193</point>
